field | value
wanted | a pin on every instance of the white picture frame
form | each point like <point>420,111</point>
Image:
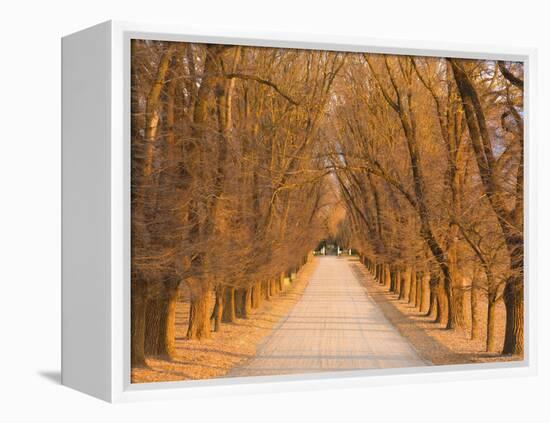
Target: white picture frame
<point>96,214</point>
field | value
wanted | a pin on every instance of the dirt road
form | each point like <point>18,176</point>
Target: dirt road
<point>334,326</point>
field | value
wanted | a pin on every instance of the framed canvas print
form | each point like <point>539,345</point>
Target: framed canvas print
<point>260,212</point>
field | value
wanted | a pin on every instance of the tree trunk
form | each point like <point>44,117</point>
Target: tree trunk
<point>155,323</point>
<point>442,305</point>
<point>242,302</point>
<point>138,306</point>
<point>438,308</point>
<point>248,301</point>
<point>447,295</point>
<point>513,301</point>
<point>419,289</point>
<point>259,294</point>
<point>424,291</point>
<point>272,288</point>
<point>434,307</point>
<point>490,340</point>
<point>453,256</point>
<point>160,321</point>
<point>218,308</point>
<point>265,290</point>
<point>387,275</point>
<point>152,109</point>
<point>405,283</point>
<point>397,285</point>
<point>474,323</point>
<point>282,281</point>
<point>228,314</point>
<point>458,303</point>
<point>412,288</point>
<point>402,284</point>
<point>256,295</point>
<point>199,316</point>
<point>169,347</point>
<point>395,276</point>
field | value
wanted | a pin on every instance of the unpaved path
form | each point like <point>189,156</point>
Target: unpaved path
<point>334,326</point>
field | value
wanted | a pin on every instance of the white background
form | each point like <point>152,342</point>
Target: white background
<point>30,206</point>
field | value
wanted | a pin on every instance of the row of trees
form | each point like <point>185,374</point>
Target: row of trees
<point>242,157</point>
<point>227,195</point>
<point>428,156</point>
